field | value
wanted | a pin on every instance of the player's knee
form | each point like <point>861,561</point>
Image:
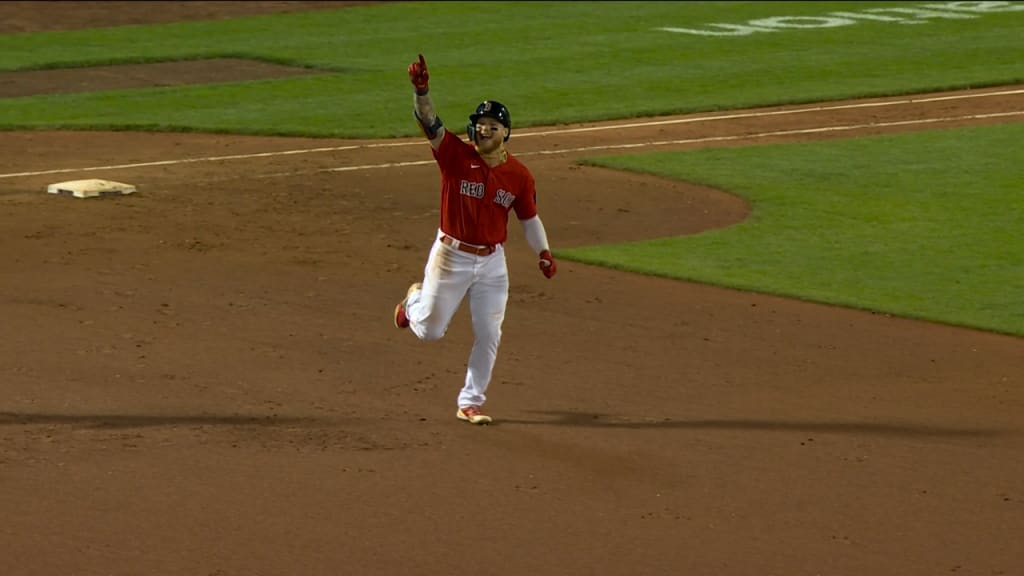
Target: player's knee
<point>430,332</point>
<point>490,336</point>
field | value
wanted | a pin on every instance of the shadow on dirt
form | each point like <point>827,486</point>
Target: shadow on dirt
<point>596,420</point>
<point>147,421</point>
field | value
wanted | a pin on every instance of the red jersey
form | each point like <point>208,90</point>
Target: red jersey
<point>476,198</point>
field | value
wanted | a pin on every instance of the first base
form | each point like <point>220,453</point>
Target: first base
<point>91,188</point>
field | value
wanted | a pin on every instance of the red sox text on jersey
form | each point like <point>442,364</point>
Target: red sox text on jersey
<point>476,198</point>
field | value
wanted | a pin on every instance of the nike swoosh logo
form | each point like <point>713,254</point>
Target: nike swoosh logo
<point>474,165</point>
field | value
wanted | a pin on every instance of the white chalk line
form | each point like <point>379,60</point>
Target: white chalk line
<point>183,161</point>
<point>767,113</point>
<point>755,135</point>
<point>528,134</point>
<point>780,133</point>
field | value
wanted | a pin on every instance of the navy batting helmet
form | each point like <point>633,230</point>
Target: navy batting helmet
<point>492,109</point>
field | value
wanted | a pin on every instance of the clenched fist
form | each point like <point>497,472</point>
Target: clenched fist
<point>418,76</point>
<point>547,264</point>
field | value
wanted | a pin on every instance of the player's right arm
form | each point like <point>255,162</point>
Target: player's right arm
<point>423,106</point>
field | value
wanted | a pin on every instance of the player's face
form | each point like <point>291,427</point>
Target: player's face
<point>490,134</point>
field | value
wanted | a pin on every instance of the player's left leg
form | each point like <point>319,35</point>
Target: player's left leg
<point>488,297</point>
<point>446,278</point>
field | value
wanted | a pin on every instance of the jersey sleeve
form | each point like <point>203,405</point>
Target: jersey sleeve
<point>448,151</point>
<point>525,204</point>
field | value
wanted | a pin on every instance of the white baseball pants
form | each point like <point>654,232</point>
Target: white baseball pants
<point>449,276</point>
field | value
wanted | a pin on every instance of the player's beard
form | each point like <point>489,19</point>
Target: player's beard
<point>490,146</point>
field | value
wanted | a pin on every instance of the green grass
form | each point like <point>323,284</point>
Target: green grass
<point>550,62</point>
<point>924,225</point>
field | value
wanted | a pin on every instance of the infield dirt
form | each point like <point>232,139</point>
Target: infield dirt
<point>203,378</point>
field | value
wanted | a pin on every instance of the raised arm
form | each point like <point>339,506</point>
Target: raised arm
<point>423,106</point>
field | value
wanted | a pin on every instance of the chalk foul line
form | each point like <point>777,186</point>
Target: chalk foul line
<point>528,134</point>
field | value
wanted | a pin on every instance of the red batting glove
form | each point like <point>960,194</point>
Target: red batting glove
<point>547,264</point>
<point>418,76</point>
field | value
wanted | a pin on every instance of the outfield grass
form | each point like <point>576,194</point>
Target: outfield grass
<point>550,62</point>
<point>921,225</point>
<point>925,225</point>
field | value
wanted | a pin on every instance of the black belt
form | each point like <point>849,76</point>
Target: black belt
<point>471,248</point>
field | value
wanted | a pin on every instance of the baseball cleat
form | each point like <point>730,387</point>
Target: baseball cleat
<point>401,320</point>
<point>473,415</point>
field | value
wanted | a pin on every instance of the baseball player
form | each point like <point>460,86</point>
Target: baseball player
<point>480,183</point>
